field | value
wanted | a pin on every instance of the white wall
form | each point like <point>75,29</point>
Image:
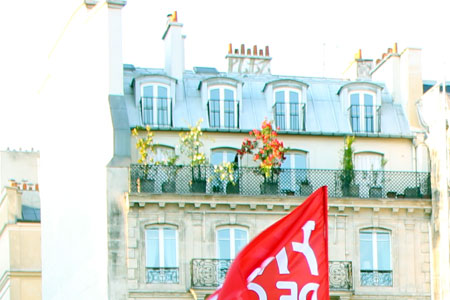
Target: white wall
<point>82,73</point>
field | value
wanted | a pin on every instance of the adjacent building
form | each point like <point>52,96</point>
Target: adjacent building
<point>20,228</point>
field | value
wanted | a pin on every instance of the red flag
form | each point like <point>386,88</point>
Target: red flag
<point>288,260</point>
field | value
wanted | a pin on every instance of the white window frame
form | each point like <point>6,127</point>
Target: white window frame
<point>294,181</point>
<point>374,232</point>
<point>222,88</point>
<point>362,113</point>
<point>287,107</point>
<point>232,240</point>
<point>155,121</point>
<point>161,244</point>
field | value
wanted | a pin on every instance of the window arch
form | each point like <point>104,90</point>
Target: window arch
<point>294,172</point>
<point>161,254</point>
<point>222,106</point>
<point>287,108</point>
<point>375,257</point>
<point>229,241</point>
<point>363,111</point>
<point>156,105</point>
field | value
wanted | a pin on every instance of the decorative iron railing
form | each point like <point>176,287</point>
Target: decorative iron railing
<point>161,275</point>
<point>287,182</point>
<point>210,273</point>
<point>376,278</point>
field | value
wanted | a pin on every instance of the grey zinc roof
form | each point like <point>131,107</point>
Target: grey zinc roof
<point>324,111</point>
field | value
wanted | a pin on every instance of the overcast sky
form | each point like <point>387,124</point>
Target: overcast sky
<point>308,38</point>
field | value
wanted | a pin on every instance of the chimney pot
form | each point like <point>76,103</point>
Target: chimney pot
<point>267,50</point>
<point>378,61</point>
<point>236,51</point>
<point>389,50</point>
<point>230,48</point>
<point>249,51</point>
<point>242,49</point>
<point>383,56</point>
<point>395,48</point>
<point>261,52</point>
<point>255,50</point>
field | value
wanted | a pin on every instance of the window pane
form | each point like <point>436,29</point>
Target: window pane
<point>354,99</point>
<point>216,157</point>
<point>280,114</point>
<point>229,113</point>
<point>366,251</point>
<point>214,113</point>
<point>214,94</point>
<point>368,99</point>
<point>223,237</point>
<point>293,97</point>
<point>240,237</point>
<point>229,94</point>
<point>170,258</point>
<point>148,91</point>
<point>279,97</point>
<point>152,248</point>
<point>384,251</point>
<point>162,92</point>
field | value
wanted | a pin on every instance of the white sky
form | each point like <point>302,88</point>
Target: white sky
<point>309,38</point>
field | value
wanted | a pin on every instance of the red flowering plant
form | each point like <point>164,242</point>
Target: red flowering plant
<point>267,149</point>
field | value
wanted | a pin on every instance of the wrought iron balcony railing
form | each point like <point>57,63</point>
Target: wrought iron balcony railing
<point>376,278</point>
<point>161,275</point>
<point>294,182</point>
<point>210,273</point>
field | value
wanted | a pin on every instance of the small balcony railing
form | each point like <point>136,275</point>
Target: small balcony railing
<point>376,278</point>
<point>210,273</point>
<point>161,275</point>
<point>287,182</point>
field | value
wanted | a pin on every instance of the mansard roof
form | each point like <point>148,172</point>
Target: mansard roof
<point>325,114</point>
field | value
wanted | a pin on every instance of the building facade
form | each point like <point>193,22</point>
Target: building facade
<point>20,228</point>
<point>174,229</point>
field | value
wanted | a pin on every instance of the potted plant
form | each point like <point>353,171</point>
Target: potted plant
<point>226,172</point>
<point>306,188</point>
<point>170,168</point>
<point>347,175</point>
<point>269,151</point>
<point>190,145</point>
<point>145,179</point>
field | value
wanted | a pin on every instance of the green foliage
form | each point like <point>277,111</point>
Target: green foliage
<point>348,173</point>
<point>191,143</point>
<point>145,146</point>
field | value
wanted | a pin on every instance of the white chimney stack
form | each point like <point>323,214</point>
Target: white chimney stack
<point>174,41</point>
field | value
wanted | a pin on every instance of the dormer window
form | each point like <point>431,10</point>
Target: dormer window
<point>156,105</point>
<point>362,101</point>
<point>223,107</point>
<point>221,97</point>
<point>287,110</point>
<point>363,112</point>
<point>155,97</point>
<point>287,100</point>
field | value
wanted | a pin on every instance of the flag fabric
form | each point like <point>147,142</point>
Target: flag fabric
<point>287,261</point>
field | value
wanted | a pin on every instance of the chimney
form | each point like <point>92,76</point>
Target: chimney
<point>250,61</point>
<point>174,44</point>
<point>387,70</point>
<point>359,69</point>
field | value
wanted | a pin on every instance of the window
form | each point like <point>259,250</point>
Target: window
<point>219,156</point>
<point>223,107</point>
<point>375,258</point>
<point>161,255</point>
<point>293,173</point>
<point>372,180</point>
<point>229,242</point>
<point>289,114</point>
<point>363,112</point>
<point>156,105</point>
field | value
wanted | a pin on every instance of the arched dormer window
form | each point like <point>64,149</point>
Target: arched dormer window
<point>221,97</point>
<point>362,102</point>
<point>286,98</point>
<point>154,97</point>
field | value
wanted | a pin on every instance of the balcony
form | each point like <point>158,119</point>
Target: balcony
<point>288,182</point>
<point>210,273</point>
